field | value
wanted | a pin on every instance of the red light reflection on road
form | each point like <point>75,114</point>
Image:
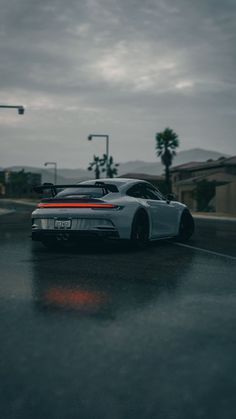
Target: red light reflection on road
<point>74,298</point>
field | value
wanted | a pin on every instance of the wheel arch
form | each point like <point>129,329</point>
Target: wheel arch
<point>186,212</point>
<point>183,209</point>
<point>141,212</point>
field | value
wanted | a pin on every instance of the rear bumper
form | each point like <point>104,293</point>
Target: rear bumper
<point>72,235</point>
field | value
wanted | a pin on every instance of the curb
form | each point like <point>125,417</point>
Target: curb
<point>5,211</point>
<point>18,201</point>
<point>11,202</point>
<point>214,217</point>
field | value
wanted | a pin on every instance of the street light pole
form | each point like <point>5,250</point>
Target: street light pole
<point>90,137</point>
<point>21,109</point>
<point>107,153</point>
<point>53,163</point>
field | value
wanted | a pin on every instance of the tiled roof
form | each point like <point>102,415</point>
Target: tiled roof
<point>205,165</point>
<point>186,166</point>
<point>230,160</point>
<point>195,179</point>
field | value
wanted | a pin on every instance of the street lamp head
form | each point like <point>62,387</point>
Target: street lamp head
<point>21,110</point>
<point>50,162</point>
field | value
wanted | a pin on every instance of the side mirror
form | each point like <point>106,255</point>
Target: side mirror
<point>170,197</point>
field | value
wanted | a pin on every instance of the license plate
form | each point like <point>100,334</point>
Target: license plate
<point>62,224</point>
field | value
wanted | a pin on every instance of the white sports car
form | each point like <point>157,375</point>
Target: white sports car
<point>115,208</point>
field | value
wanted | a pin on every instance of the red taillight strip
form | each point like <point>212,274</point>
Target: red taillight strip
<point>73,205</point>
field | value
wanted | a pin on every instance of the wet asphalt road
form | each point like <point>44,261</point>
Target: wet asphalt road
<point>107,332</point>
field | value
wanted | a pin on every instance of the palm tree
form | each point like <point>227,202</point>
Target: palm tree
<point>111,167</point>
<point>166,143</point>
<point>96,165</point>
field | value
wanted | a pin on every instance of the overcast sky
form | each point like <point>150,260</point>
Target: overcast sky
<point>127,68</point>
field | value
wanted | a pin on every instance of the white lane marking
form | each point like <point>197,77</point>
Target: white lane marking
<point>5,211</point>
<point>206,251</point>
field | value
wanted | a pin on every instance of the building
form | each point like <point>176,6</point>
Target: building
<point>226,198</point>
<point>18,184</point>
<point>203,186</point>
<point>3,181</point>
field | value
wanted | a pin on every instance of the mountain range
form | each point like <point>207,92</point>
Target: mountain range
<point>137,166</point>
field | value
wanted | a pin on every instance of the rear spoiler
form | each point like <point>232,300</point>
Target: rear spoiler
<point>107,187</point>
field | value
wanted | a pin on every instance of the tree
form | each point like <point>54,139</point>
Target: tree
<point>99,165</point>
<point>112,167</point>
<point>166,143</point>
<point>96,166</point>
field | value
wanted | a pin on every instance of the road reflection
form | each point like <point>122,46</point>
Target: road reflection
<point>74,298</point>
<point>104,281</point>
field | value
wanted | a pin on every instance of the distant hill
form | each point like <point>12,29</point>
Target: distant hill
<point>138,166</point>
<point>156,168</point>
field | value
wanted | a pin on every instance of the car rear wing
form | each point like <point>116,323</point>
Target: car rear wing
<point>106,187</point>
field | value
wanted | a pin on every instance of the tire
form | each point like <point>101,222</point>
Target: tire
<point>140,231</point>
<point>186,227</point>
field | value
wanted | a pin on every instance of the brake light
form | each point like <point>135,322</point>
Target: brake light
<point>74,205</point>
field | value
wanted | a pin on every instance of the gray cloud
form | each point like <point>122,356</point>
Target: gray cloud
<point>125,67</point>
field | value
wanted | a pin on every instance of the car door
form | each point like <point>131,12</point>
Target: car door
<point>164,214</point>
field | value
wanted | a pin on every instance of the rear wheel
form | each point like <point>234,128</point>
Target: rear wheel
<point>186,227</point>
<point>140,231</point>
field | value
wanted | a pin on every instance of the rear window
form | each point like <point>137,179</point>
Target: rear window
<point>82,193</point>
